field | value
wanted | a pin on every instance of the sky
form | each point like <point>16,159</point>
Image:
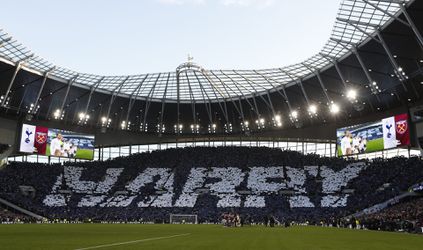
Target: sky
<point>109,37</point>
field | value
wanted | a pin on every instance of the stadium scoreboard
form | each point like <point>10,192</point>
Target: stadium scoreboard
<point>56,142</point>
<point>388,133</point>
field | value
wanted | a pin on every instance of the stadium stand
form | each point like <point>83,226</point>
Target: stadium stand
<point>8,216</point>
<point>326,148</point>
<point>253,182</point>
<point>404,216</point>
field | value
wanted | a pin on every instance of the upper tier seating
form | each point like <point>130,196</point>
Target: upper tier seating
<point>254,182</point>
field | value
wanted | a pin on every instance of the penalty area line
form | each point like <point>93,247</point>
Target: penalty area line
<point>133,241</point>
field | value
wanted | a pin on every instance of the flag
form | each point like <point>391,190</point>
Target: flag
<point>389,133</point>
<point>41,135</point>
<point>402,129</point>
<point>27,139</point>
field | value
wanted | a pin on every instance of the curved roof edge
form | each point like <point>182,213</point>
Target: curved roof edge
<point>356,21</point>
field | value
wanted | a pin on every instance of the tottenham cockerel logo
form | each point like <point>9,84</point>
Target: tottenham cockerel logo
<point>402,127</point>
<point>41,138</point>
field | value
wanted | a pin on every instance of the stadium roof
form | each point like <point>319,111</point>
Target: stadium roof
<point>356,21</point>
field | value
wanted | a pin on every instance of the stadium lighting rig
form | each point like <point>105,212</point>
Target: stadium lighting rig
<point>105,122</point>
<point>83,118</point>
<point>144,127</point>
<point>178,128</point>
<point>374,87</point>
<point>195,128</point>
<point>3,102</point>
<point>161,128</point>
<point>245,126</point>
<point>334,108</point>
<point>125,126</point>
<point>228,128</point>
<point>277,121</point>
<point>294,115</point>
<point>312,110</point>
<point>261,123</point>
<point>58,114</point>
<point>32,109</point>
<point>352,94</point>
<point>212,128</point>
<point>401,74</point>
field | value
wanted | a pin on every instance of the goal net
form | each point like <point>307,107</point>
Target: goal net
<point>183,219</point>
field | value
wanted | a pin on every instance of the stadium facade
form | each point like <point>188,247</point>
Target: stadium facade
<point>226,148</point>
<point>370,68</point>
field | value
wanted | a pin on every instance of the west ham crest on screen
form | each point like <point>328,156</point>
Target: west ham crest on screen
<point>41,138</point>
<point>401,126</point>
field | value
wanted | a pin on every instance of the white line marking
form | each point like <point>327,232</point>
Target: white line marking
<point>133,241</point>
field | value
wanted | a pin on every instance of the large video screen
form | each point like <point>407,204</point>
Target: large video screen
<point>369,137</point>
<point>55,142</point>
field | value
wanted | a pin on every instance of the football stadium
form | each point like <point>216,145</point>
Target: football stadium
<point>324,153</point>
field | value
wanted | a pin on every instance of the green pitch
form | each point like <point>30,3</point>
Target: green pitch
<point>203,237</point>
<point>86,154</point>
<point>372,146</point>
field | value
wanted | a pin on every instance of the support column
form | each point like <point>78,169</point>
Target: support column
<point>177,101</point>
<point>91,94</point>
<point>18,67</point>
<point>392,60</point>
<point>365,70</point>
<point>412,25</point>
<point>67,93</point>
<point>338,70</point>
<point>37,100</point>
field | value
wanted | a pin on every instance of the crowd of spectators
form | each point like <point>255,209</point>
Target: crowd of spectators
<point>8,216</point>
<point>404,216</point>
<point>258,182</point>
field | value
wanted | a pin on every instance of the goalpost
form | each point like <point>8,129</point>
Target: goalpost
<point>183,219</point>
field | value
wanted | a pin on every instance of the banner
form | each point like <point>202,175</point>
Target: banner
<point>41,134</point>
<point>27,138</point>
<point>389,133</point>
<point>402,129</point>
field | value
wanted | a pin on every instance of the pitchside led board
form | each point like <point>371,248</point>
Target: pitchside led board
<point>369,137</point>
<point>55,142</point>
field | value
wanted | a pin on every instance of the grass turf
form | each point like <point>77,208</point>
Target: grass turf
<point>86,154</point>
<point>204,237</point>
<point>372,146</point>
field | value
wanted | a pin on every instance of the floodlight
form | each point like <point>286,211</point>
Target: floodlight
<point>312,109</point>
<point>352,94</point>
<point>334,108</point>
